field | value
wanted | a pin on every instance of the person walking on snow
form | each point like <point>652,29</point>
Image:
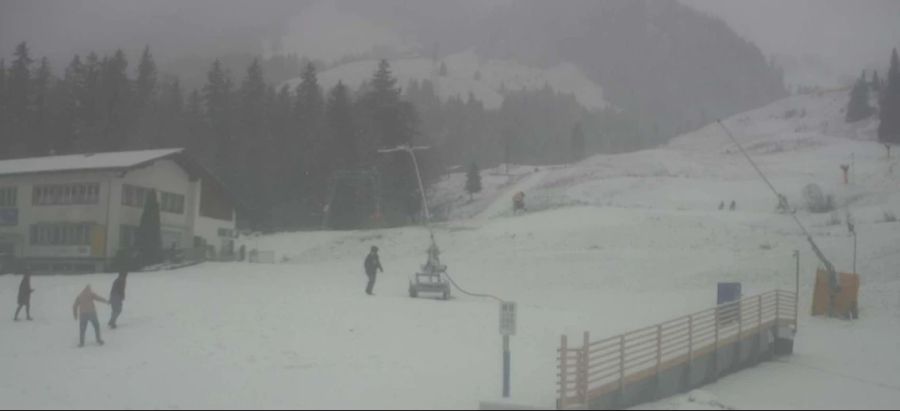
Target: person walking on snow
<point>372,266</point>
<point>24,299</point>
<point>116,297</point>
<point>85,310</point>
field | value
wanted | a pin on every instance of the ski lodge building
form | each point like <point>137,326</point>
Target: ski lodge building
<point>73,213</point>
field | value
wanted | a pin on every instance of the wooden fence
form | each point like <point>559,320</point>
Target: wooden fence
<point>598,368</point>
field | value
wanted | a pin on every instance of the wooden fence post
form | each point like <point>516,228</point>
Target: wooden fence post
<point>759,328</point>
<point>691,338</point>
<point>658,351</point>
<point>658,356</point>
<point>585,364</point>
<point>777,308</point>
<point>716,348</point>
<point>622,371</point>
<point>759,311</point>
<point>563,375</point>
<point>690,364</point>
<point>740,335</point>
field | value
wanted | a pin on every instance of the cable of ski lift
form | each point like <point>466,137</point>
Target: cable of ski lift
<point>832,273</point>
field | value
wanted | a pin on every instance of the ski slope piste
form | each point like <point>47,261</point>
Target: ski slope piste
<point>610,244</point>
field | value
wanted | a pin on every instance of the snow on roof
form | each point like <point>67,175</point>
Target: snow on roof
<point>82,162</point>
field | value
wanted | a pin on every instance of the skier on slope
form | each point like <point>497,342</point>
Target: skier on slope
<point>372,266</point>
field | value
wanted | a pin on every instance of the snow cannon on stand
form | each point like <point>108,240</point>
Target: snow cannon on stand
<point>433,276</point>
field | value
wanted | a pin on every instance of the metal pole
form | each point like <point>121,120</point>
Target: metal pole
<point>411,151</point>
<point>421,186</point>
<point>506,367</point>
<point>797,295</point>
<point>854,251</point>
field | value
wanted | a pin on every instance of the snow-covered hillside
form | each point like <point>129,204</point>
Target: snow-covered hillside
<point>611,244</point>
<point>329,33</point>
<point>467,73</point>
<point>799,140</point>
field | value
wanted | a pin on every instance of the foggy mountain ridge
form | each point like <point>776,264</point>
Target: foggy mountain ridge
<point>650,57</point>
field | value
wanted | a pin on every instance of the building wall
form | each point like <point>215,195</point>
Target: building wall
<point>29,213</point>
<point>109,214</point>
<point>162,176</point>
<point>212,229</point>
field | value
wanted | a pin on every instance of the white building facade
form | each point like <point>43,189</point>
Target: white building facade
<point>74,213</point>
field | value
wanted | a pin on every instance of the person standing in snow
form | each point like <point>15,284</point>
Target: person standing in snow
<point>85,310</point>
<point>721,206</point>
<point>519,203</point>
<point>372,266</point>
<point>116,297</point>
<point>24,299</point>
<point>733,205</point>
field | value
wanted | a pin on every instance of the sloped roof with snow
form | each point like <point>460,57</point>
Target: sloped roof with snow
<point>84,162</point>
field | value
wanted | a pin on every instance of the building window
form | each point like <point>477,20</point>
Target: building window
<point>127,236</point>
<point>134,196</point>
<point>67,194</point>
<point>61,234</point>
<point>172,203</point>
<point>8,197</point>
<point>172,238</point>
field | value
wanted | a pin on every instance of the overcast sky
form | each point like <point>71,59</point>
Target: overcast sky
<point>60,28</point>
<point>846,32</point>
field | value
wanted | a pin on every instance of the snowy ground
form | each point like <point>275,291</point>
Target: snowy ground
<point>612,244</point>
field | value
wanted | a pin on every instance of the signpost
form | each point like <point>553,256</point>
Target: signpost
<point>507,328</point>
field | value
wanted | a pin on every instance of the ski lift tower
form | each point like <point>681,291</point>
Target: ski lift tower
<point>432,278</point>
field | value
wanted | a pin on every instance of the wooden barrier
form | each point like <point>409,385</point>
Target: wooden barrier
<point>598,368</point>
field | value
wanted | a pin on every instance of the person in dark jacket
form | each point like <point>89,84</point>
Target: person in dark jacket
<point>24,299</point>
<point>372,265</point>
<point>117,297</point>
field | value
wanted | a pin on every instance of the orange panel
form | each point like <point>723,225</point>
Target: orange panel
<point>845,302</point>
<point>98,241</point>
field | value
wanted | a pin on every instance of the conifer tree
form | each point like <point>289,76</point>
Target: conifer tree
<point>473,180</point>
<point>889,129</point>
<point>148,241</point>
<point>858,107</point>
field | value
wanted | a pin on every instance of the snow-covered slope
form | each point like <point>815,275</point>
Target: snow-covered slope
<point>643,243</point>
<point>467,73</point>
<point>798,140</point>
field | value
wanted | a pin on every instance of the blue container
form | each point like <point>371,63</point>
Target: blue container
<point>728,292</point>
